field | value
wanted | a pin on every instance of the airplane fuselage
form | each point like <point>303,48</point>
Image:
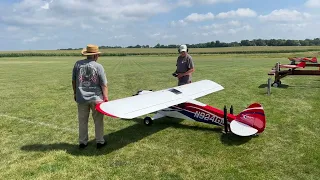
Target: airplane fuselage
<point>197,111</point>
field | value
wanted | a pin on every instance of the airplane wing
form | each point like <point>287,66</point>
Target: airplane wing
<point>134,106</point>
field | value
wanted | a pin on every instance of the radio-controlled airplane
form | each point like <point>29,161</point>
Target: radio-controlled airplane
<point>303,59</point>
<point>292,70</point>
<point>179,102</point>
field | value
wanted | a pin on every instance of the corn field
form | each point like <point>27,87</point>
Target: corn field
<point>168,51</point>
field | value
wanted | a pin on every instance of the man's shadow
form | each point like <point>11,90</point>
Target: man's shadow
<point>131,134</point>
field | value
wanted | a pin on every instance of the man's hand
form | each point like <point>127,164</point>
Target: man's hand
<point>105,99</point>
<point>180,75</point>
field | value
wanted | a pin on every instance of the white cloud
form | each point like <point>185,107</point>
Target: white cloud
<point>112,9</point>
<point>33,39</point>
<point>190,2</point>
<point>285,15</point>
<point>169,36</point>
<point>85,26</point>
<point>234,23</point>
<point>215,1</point>
<point>122,36</point>
<point>62,12</point>
<point>12,28</point>
<point>195,17</point>
<point>231,27</point>
<point>241,12</point>
<point>35,21</point>
<point>178,23</point>
<point>243,28</point>
<point>41,36</point>
<point>47,5</point>
<point>162,36</point>
<point>313,3</point>
<point>155,35</point>
<point>212,26</point>
<point>184,3</point>
<point>227,25</point>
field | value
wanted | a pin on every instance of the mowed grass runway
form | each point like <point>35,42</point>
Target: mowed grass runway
<point>39,128</point>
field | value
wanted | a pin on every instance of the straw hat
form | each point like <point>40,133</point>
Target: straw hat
<point>90,50</point>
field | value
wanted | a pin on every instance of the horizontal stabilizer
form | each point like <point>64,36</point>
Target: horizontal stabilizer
<point>135,106</point>
<point>242,129</point>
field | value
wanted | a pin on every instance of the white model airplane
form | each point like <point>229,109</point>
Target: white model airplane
<point>179,102</point>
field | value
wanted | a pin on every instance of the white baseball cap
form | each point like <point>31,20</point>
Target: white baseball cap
<point>183,48</point>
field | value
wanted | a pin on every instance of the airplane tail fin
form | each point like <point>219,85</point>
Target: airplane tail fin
<point>250,121</point>
<point>314,60</point>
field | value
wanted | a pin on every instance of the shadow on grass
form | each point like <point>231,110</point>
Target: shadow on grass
<point>283,86</point>
<point>234,140</point>
<point>306,86</point>
<point>131,134</point>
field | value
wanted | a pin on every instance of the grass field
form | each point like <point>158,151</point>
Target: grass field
<point>313,50</point>
<point>38,123</point>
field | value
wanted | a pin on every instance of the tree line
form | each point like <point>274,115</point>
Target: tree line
<point>217,43</point>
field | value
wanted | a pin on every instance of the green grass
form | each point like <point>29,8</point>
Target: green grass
<point>38,123</point>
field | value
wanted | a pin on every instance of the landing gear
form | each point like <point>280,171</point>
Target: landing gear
<point>147,121</point>
<point>276,84</point>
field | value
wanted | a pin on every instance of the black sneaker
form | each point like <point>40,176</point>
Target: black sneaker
<point>82,146</point>
<point>100,145</point>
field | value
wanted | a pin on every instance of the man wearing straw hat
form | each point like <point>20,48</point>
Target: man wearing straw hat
<point>90,88</point>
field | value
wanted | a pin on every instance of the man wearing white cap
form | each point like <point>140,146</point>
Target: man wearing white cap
<point>185,66</point>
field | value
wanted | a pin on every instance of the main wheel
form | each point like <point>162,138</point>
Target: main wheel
<point>147,121</point>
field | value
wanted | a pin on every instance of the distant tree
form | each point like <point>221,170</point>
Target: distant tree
<point>217,43</point>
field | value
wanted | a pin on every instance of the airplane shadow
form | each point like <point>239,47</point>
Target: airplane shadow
<point>119,139</point>
<point>283,86</point>
<point>234,140</point>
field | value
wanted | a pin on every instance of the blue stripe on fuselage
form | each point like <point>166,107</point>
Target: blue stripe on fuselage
<point>192,116</point>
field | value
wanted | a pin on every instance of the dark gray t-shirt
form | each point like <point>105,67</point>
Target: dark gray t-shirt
<point>89,76</point>
<point>183,65</point>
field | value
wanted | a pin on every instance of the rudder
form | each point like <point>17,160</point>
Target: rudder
<point>253,116</point>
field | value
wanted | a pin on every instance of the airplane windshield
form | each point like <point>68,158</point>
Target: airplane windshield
<point>175,91</point>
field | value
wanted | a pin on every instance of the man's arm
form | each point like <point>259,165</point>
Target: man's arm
<point>190,66</point>
<point>103,83</point>
<point>74,81</point>
<point>180,75</point>
<point>105,92</point>
<point>74,86</point>
<point>188,72</point>
<point>74,89</point>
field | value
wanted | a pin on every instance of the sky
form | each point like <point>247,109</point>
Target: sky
<point>55,24</point>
